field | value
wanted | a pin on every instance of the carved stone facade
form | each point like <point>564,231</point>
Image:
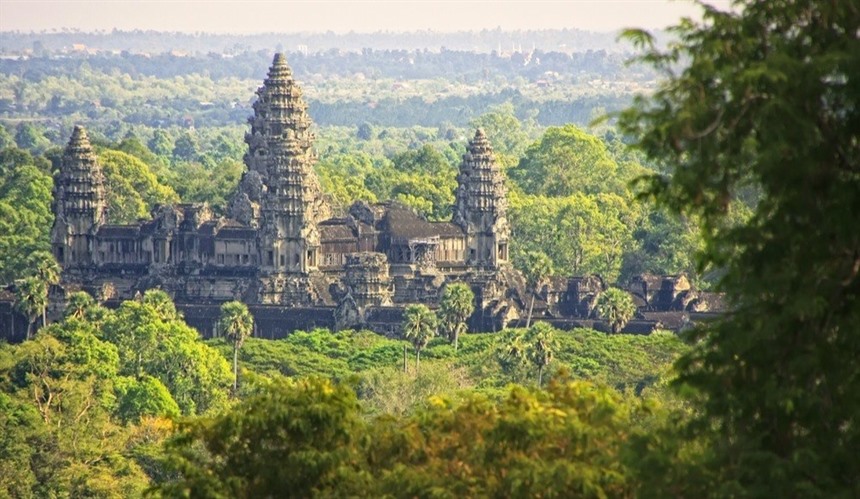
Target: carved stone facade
<point>280,251</point>
<point>278,246</point>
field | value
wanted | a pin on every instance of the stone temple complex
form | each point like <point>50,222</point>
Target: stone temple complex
<point>280,250</point>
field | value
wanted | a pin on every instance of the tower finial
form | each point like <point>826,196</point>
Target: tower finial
<point>280,70</point>
<point>79,141</point>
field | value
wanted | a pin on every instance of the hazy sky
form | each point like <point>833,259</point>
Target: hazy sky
<point>253,16</point>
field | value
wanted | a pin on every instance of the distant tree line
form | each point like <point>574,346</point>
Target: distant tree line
<point>485,40</point>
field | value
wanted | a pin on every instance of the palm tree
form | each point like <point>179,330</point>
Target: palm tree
<point>456,305</point>
<point>419,325</point>
<point>616,307</point>
<point>512,350</point>
<point>536,267</point>
<point>541,347</point>
<point>78,305</point>
<point>48,271</point>
<point>31,297</point>
<point>236,324</point>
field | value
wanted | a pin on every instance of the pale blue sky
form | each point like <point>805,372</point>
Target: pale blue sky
<point>253,16</point>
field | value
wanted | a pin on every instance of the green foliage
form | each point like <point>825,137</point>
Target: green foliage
<point>565,161</point>
<point>537,268</point>
<point>301,436</point>
<point>161,143</point>
<point>768,99</point>
<point>455,307</point>
<point>30,138</point>
<point>31,299</point>
<point>132,189</point>
<point>541,347</point>
<point>144,396</point>
<point>25,213</point>
<point>419,326</point>
<point>235,324</point>
<point>365,131</point>
<point>20,425</point>
<point>153,340</point>
<point>390,390</point>
<point>58,389</point>
<point>213,182</point>
<point>616,307</point>
<point>78,305</point>
<point>535,346</point>
<point>342,177</point>
<point>574,439</point>
<point>186,147</point>
<point>508,136</point>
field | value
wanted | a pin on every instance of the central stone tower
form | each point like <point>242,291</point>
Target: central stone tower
<point>280,194</point>
<point>481,206</point>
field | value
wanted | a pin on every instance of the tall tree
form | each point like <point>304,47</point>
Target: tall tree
<point>455,307</point>
<point>77,305</point>
<point>133,189</point>
<point>537,267</point>
<point>616,307</point>
<point>31,297</point>
<point>567,160</point>
<point>236,324</point>
<point>419,325</point>
<point>768,96</point>
<point>48,271</point>
<point>540,347</point>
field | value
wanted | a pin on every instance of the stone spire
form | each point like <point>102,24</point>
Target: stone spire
<point>79,201</point>
<point>280,125</point>
<point>481,205</point>
<point>280,193</point>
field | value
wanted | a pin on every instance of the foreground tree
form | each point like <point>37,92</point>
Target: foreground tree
<point>419,325</point>
<point>616,307</point>
<point>455,307</point>
<point>769,99</point>
<point>299,436</point>
<point>236,324</point>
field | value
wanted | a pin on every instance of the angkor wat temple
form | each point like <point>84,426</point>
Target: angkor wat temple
<point>280,250</point>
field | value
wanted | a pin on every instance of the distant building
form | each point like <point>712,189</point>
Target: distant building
<point>280,251</point>
<point>279,245</point>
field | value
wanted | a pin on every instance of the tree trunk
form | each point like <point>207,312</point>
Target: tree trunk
<point>531,307</point>
<point>456,337</point>
<point>235,370</point>
<point>29,329</point>
<point>45,317</point>
<point>405,359</point>
<point>417,361</point>
<point>540,376</point>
